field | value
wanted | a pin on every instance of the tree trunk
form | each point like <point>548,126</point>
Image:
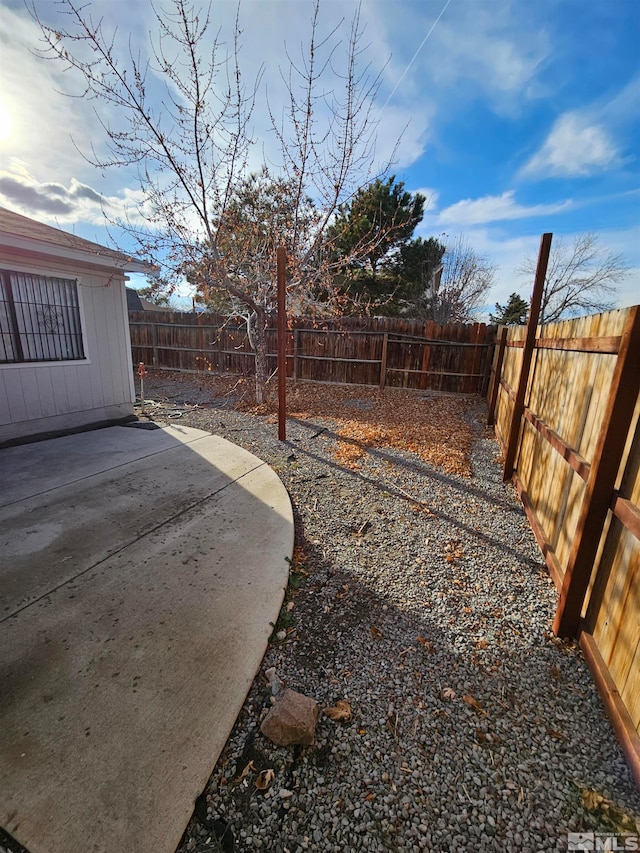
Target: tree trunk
<point>260,346</point>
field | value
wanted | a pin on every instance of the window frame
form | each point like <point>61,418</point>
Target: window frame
<point>14,327</point>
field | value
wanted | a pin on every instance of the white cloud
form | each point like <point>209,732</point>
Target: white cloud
<point>50,129</point>
<point>493,208</point>
<point>495,50</point>
<point>431,197</point>
<point>43,121</point>
<point>54,202</point>
<point>577,145</point>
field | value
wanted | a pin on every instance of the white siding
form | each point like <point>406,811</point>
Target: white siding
<point>36,398</point>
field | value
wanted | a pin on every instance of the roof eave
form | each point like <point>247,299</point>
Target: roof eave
<point>118,261</point>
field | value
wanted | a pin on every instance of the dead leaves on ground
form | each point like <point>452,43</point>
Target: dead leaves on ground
<point>435,429</point>
<point>340,712</point>
<point>613,816</point>
<point>473,703</point>
<point>264,779</point>
<point>426,644</point>
<point>453,550</point>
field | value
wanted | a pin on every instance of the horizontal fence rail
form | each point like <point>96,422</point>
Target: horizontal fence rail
<point>577,471</point>
<point>390,352</point>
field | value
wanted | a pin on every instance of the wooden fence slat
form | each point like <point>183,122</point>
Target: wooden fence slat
<point>621,405</point>
<point>296,352</point>
<point>511,394</point>
<point>569,454</point>
<point>627,513</point>
<point>546,548</point>
<point>346,350</point>
<point>610,344</point>
<point>618,714</point>
<point>497,374</point>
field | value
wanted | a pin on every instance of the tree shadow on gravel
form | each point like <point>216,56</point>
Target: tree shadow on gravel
<point>428,474</point>
<point>472,728</point>
<point>469,751</point>
<point>420,468</point>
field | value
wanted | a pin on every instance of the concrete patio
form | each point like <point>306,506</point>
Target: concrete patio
<point>139,572</point>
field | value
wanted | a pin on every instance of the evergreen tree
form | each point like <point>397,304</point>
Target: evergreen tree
<point>514,313</point>
<point>379,218</point>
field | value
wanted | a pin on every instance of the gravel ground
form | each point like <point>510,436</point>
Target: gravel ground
<point>424,603</point>
<point>420,598</point>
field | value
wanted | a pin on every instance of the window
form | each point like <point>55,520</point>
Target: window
<point>39,318</point>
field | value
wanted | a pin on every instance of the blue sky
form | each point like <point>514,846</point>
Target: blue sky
<point>520,117</point>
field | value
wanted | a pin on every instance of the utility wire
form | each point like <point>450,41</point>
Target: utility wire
<point>415,55</point>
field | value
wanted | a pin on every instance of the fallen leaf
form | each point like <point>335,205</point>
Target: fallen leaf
<point>591,800</point>
<point>428,646</point>
<point>615,818</point>
<point>482,644</point>
<point>376,633</point>
<point>448,693</point>
<point>264,779</point>
<point>340,713</point>
<point>473,702</point>
<point>247,770</point>
<point>555,734</point>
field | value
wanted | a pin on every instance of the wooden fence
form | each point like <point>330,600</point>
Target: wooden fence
<point>577,470</point>
<point>356,351</point>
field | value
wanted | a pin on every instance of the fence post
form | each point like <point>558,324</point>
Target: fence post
<point>527,354</point>
<point>497,376</point>
<point>623,395</point>
<point>281,257</point>
<point>383,363</point>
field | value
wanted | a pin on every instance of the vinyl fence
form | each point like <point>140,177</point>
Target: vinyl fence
<point>577,469</point>
<point>360,351</point>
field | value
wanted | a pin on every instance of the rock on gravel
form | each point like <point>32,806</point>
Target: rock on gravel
<point>292,720</point>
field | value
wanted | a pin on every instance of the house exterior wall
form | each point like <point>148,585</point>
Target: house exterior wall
<point>49,396</point>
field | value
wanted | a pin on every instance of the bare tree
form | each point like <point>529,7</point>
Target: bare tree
<point>460,286</point>
<point>190,144</point>
<point>581,277</point>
